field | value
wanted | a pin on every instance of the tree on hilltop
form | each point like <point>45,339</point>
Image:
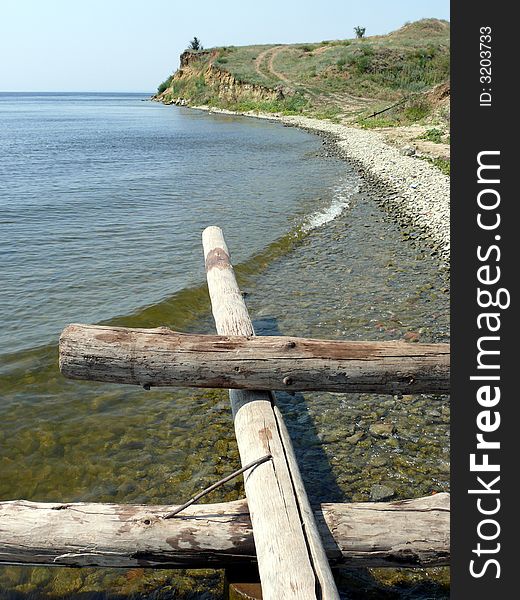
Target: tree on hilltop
<point>195,44</point>
<point>359,31</point>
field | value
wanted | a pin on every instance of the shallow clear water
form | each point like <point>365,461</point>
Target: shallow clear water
<point>104,198</point>
<point>306,273</point>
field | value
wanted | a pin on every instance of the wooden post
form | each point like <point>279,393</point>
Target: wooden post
<point>404,533</point>
<point>161,357</point>
<point>290,563</point>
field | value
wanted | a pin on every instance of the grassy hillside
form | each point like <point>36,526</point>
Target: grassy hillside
<point>338,79</point>
<point>410,59</point>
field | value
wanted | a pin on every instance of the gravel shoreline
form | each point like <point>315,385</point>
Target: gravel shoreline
<point>413,191</point>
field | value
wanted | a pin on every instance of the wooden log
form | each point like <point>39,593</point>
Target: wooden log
<point>161,357</point>
<point>289,566</point>
<point>312,534</point>
<point>409,533</point>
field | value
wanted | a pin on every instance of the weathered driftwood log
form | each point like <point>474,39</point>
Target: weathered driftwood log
<point>413,533</point>
<point>291,559</point>
<point>161,357</point>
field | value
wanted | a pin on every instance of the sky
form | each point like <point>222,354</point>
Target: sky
<point>133,45</point>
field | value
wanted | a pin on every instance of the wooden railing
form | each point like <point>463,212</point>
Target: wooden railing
<point>293,544</point>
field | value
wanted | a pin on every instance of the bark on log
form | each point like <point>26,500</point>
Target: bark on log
<point>161,357</point>
<point>290,567</point>
<point>409,533</point>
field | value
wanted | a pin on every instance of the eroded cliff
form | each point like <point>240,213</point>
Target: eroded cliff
<point>199,80</point>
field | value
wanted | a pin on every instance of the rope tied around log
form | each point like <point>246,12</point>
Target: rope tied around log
<point>254,463</point>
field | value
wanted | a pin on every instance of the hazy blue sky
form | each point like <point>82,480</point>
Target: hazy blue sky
<point>132,45</point>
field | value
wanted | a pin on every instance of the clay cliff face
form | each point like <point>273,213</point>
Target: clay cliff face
<point>200,66</point>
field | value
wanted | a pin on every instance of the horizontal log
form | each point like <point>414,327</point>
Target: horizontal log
<point>409,533</point>
<point>161,357</point>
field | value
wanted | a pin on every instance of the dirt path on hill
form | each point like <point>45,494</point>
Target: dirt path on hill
<point>264,69</point>
<point>264,66</point>
<point>270,65</point>
<point>347,103</point>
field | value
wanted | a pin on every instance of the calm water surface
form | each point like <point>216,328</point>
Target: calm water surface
<point>102,203</point>
<point>104,198</point>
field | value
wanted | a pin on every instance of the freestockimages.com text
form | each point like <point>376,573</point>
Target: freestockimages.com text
<point>492,299</point>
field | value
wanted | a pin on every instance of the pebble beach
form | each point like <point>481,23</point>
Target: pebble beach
<point>415,192</point>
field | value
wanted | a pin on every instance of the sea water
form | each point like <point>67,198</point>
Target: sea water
<point>103,200</point>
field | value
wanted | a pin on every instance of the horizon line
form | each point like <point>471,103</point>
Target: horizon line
<point>76,92</point>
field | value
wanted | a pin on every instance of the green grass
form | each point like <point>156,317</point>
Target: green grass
<point>291,105</point>
<point>414,110</point>
<point>433,135</point>
<point>332,113</point>
<point>443,164</point>
<point>240,62</point>
<point>409,60</point>
<point>379,121</point>
<point>199,92</point>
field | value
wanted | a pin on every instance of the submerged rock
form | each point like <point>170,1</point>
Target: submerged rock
<point>412,336</point>
<point>381,492</point>
<point>381,429</point>
<point>354,439</point>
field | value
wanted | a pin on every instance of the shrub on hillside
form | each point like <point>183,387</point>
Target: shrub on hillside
<point>164,85</point>
<point>416,109</point>
<point>362,61</point>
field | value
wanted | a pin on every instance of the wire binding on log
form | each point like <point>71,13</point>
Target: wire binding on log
<point>250,465</point>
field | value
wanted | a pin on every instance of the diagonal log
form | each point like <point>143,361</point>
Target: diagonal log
<point>291,559</point>
<point>409,533</point>
<point>161,357</point>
